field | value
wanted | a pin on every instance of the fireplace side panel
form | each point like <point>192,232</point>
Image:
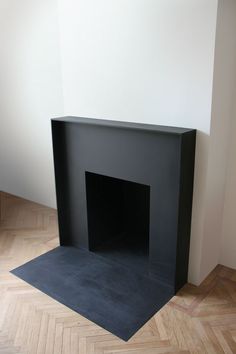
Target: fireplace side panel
<point>164,211</point>
<point>188,142</point>
<point>60,153</point>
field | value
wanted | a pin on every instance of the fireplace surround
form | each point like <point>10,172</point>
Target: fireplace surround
<point>124,198</point>
<point>99,164</point>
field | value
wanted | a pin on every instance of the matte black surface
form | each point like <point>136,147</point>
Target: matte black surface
<point>125,125</point>
<point>118,219</point>
<point>109,294</point>
<point>161,158</point>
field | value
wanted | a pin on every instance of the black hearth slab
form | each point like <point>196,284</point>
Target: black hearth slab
<point>109,294</point>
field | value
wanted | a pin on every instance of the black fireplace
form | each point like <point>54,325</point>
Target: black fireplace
<point>124,198</point>
<point>124,191</point>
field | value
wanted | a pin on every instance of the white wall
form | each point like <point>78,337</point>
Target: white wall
<point>145,61</point>
<point>137,60</point>
<point>223,112</point>
<point>31,93</point>
<point>228,239</point>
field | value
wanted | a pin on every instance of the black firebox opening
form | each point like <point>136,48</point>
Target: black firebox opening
<point>118,219</point>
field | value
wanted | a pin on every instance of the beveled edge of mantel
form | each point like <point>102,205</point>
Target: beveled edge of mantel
<point>125,125</point>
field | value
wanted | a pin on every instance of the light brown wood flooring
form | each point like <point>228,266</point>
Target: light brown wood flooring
<point>198,320</point>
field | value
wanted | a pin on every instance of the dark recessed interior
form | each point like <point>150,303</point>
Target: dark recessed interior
<point>118,219</point>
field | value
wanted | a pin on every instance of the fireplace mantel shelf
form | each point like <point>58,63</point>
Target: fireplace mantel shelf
<point>125,125</point>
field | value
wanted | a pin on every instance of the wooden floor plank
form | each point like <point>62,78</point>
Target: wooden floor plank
<point>197,320</point>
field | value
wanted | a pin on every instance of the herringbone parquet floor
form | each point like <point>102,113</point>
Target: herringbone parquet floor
<point>197,320</point>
